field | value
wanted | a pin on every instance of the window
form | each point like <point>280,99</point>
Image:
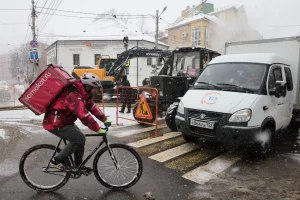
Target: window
<point>196,33</point>
<point>76,60</point>
<point>174,40</point>
<point>275,75</point>
<point>289,79</point>
<point>149,61</point>
<point>183,40</point>
<point>97,56</point>
<point>207,36</point>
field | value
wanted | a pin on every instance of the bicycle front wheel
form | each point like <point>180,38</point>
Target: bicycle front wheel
<point>35,172</point>
<point>121,174</point>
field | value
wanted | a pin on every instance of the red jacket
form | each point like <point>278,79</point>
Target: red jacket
<point>73,103</point>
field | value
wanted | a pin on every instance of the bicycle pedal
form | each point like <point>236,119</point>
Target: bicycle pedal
<point>87,173</point>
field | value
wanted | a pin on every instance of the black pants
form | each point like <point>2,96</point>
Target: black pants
<point>76,143</point>
<point>127,103</point>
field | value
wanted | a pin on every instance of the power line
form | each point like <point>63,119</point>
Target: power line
<point>88,13</point>
<point>11,9</point>
<point>51,15</point>
<point>43,6</point>
<point>37,3</point>
<point>9,24</point>
<point>82,17</point>
<point>47,13</point>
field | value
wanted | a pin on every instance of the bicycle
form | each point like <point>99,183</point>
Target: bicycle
<point>110,157</point>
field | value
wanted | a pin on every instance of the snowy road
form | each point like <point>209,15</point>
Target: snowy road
<point>173,169</point>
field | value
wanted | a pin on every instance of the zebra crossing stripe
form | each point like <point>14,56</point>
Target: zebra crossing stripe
<point>205,173</point>
<point>133,132</point>
<point>149,141</point>
<point>174,152</point>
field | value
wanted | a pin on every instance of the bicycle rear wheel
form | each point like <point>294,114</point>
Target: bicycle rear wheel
<point>129,171</point>
<point>35,173</point>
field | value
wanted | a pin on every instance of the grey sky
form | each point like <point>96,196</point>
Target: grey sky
<point>267,17</point>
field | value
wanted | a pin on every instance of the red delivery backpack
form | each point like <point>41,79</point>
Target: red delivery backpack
<point>47,86</point>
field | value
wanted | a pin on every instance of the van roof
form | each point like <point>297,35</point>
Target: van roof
<point>263,58</point>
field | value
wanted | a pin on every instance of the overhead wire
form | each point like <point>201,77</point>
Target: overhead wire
<point>51,15</point>
<point>83,17</point>
<point>43,6</point>
<point>14,9</point>
<point>47,14</point>
<point>9,24</point>
<point>96,14</point>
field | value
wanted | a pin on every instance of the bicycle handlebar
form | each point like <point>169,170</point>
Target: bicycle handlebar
<point>105,128</point>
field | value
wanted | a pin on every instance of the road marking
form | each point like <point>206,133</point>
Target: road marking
<point>133,132</point>
<point>174,152</point>
<point>205,173</point>
<point>148,141</point>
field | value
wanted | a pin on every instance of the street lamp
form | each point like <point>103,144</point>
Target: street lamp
<point>165,8</point>
<point>157,19</point>
<point>12,46</point>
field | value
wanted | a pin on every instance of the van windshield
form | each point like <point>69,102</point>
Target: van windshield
<point>233,76</point>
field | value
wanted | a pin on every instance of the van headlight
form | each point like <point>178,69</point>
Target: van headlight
<point>241,116</point>
<point>180,108</point>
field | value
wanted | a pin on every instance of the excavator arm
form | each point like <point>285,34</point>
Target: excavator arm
<point>135,52</point>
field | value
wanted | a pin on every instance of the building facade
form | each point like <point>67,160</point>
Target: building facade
<point>5,67</point>
<point>70,53</point>
<point>205,26</point>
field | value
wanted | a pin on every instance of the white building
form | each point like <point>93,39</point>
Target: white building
<point>4,67</point>
<point>82,51</point>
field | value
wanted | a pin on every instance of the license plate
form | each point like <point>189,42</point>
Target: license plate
<point>208,125</point>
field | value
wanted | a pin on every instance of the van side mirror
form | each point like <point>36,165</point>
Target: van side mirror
<point>279,90</point>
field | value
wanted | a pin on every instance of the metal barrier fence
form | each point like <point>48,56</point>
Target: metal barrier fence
<point>9,96</point>
<point>145,105</point>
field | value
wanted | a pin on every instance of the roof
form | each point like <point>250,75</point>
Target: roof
<point>197,48</point>
<point>197,18</point>
<point>109,38</point>
<point>224,8</point>
<point>263,58</point>
<point>210,16</point>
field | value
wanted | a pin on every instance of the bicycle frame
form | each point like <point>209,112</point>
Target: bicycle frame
<point>104,140</point>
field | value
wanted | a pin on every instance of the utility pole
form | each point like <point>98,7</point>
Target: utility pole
<point>32,72</point>
<point>156,32</point>
<point>33,20</point>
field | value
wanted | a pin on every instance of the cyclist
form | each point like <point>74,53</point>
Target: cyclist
<point>74,102</point>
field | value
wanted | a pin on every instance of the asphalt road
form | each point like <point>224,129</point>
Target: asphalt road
<point>168,173</point>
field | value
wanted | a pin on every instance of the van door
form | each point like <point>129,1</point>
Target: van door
<point>277,105</point>
<point>289,95</point>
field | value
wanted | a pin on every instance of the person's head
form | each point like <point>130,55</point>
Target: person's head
<point>90,81</point>
<point>124,78</point>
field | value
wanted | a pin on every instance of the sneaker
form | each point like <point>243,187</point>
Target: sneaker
<point>121,111</point>
<point>56,164</point>
<point>128,111</point>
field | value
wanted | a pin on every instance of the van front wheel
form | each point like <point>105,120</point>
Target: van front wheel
<point>264,143</point>
<point>188,138</point>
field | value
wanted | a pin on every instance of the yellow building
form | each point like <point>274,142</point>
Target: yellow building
<point>205,26</point>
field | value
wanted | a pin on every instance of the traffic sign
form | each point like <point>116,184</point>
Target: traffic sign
<point>34,55</point>
<point>34,44</point>
<point>143,110</point>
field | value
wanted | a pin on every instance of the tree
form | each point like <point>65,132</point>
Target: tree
<point>22,68</point>
<point>141,24</point>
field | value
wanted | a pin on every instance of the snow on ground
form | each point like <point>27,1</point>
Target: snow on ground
<point>3,134</point>
<point>14,93</point>
<point>27,115</point>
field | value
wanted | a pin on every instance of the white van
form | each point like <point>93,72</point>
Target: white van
<point>244,97</point>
